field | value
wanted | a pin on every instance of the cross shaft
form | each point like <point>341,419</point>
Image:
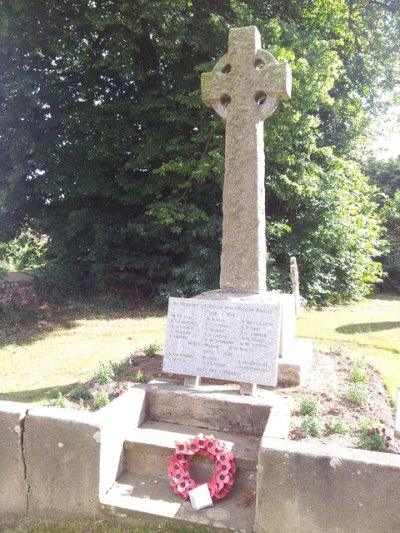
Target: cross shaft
<point>244,88</point>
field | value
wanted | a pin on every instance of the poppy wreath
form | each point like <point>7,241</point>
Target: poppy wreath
<point>178,468</point>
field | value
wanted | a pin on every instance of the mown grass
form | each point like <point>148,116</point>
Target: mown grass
<point>53,349</point>
<point>95,525</point>
<point>369,329</point>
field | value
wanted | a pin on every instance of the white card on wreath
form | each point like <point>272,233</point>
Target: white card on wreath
<point>200,497</point>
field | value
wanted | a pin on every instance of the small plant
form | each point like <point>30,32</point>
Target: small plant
<point>117,368</point>
<point>82,406</point>
<point>119,388</point>
<point>132,361</point>
<point>139,377</point>
<point>357,395</point>
<point>57,402</point>
<point>312,426</point>
<point>152,349</point>
<point>367,423</point>
<point>309,406</point>
<point>336,350</point>
<point>339,426</point>
<point>100,399</point>
<point>357,371</point>
<point>105,374</point>
<point>374,439</point>
<point>79,393</point>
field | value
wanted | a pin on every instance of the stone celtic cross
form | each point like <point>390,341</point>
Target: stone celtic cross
<point>244,88</point>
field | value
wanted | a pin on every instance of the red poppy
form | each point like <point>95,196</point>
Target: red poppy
<point>178,468</point>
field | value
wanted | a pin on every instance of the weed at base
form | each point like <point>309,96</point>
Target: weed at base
<point>312,426</point>
<point>339,426</point>
<point>152,349</point>
<point>309,406</point>
<point>357,395</point>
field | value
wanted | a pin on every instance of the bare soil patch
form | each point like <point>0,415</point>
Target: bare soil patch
<point>329,383</point>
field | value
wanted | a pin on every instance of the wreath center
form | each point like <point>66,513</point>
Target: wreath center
<point>216,450</point>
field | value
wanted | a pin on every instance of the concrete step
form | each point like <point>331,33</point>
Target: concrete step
<point>146,449</point>
<point>143,490</point>
<point>213,407</point>
<point>151,498</point>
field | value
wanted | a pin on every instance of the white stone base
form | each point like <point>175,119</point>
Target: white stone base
<point>293,370</point>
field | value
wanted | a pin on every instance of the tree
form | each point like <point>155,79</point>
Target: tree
<point>106,147</point>
<point>386,175</point>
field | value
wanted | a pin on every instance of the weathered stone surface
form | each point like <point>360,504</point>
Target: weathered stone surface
<point>294,277</point>
<point>62,450</point>
<point>244,87</point>
<point>13,489</point>
<point>285,301</point>
<point>17,288</point>
<point>397,423</point>
<point>230,340</point>
<point>301,487</point>
<point>214,407</point>
<point>125,413</point>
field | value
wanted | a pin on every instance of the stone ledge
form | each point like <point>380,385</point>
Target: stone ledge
<point>320,489</point>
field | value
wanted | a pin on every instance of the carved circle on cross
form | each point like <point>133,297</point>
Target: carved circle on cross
<point>266,103</point>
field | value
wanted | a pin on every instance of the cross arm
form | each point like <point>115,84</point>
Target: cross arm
<point>214,87</point>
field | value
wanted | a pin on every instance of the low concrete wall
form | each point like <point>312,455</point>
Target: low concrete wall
<point>62,450</point>
<point>13,488</point>
<point>314,489</point>
<point>59,461</point>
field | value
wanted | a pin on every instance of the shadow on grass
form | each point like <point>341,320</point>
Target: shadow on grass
<point>23,325</point>
<point>367,327</point>
<point>35,395</point>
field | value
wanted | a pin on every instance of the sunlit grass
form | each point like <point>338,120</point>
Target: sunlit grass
<point>369,329</point>
<point>71,352</point>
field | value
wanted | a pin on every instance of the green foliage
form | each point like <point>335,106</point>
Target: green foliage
<point>59,401</point>
<point>309,406</point>
<point>108,150</point>
<point>336,350</point>
<point>339,426</point>
<point>25,251</point>
<point>357,372</point>
<point>133,360</point>
<point>139,378</point>
<point>105,374</point>
<point>358,395</point>
<point>374,439</point>
<point>4,270</point>
<point>100,399</point>
<point>152,349</point>
<point>79,393</point>
<point>386,175</point>
<point>312,426</point>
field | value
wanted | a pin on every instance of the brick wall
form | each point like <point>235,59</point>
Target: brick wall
<point>17,289</point>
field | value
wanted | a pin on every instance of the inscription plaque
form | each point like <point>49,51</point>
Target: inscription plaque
<point>232,341</point>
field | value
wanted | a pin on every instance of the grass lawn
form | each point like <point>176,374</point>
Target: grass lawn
<point>53,349</point>
<point>369,329</point>
<point>82,525</point>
